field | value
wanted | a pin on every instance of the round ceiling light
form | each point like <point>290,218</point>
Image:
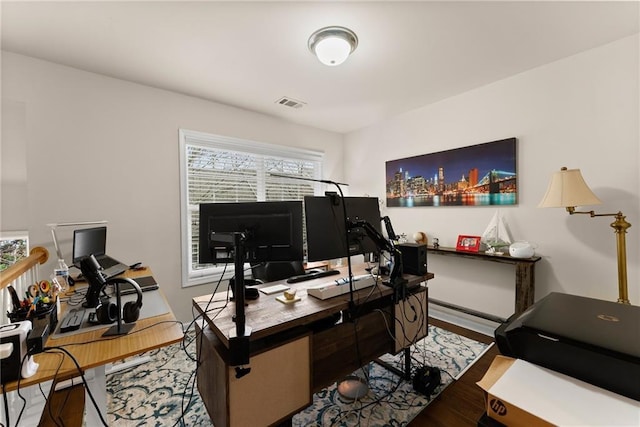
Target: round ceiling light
<point>333,45</point>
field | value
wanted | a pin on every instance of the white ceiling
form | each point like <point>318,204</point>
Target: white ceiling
<point>249,54</point>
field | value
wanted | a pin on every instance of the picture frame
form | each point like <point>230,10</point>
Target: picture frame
<point>468,243</point>
<point>14,246</point>
<point>477,175</point>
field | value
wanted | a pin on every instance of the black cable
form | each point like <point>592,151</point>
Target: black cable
<point>84,381</point>
<point>115,337</point>
<point>101,340</point>
<point>182,407</point>
<point>198,357</point>
<point>384,398</point>
<point>6,406</point>
<point>24,401</point>
<point>53,384</point>
<point>346,236</point>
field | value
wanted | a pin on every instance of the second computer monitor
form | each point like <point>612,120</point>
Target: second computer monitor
<point>326,229</point>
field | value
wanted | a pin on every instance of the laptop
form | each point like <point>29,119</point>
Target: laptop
<point>93,241</point>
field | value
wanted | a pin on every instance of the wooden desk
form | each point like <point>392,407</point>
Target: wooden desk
<point>93,352</point>
<point>525,283</point>
<point>295,349</point>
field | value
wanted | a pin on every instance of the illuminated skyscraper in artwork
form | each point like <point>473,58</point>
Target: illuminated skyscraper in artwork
<point>399,184</point>
<point>473,177</point>
<point>440,180</point>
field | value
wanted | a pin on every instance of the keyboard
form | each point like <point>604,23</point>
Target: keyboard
<point>311,276</point>
<point>72,320</point>
<point>341,286</point>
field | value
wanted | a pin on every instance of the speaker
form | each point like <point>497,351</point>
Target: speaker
<point>414,258</point>
<point>107,312</point>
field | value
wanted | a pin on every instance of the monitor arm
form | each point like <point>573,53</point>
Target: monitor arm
<point>239,350</point>
<point>396,281</point>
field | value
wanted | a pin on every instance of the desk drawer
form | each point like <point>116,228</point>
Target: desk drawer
<point>251,400</point>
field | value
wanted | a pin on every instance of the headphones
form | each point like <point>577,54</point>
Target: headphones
<point>107,312</point>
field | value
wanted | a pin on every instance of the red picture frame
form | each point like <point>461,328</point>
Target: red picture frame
<point>468,243</point>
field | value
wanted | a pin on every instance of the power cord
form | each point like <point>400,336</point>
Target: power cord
<point>84,381</point>
<point>6,406</point>
<point>24,401</point>
<point>198,357</point>
<point>53,384</point>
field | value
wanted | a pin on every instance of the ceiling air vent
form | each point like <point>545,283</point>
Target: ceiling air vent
<point>290,102</point>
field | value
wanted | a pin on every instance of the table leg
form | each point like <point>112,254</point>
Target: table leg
<point>525,286</point>
<point>98,387</point>
<point>406,374</point>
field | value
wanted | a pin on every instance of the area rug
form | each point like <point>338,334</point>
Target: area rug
<point>162,392</point>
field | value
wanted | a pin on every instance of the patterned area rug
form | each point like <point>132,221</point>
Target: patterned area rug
<point>163,392</point>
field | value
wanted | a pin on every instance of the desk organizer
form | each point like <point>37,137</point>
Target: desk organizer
<point>41,312</point>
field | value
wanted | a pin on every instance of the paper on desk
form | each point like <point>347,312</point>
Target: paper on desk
<point>563,400</point>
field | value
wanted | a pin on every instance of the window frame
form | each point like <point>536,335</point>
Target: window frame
<point>194,277</point>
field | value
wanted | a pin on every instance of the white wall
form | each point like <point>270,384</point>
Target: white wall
<point>580,112</point>
<point>84,135</point>
<point>101,148</point>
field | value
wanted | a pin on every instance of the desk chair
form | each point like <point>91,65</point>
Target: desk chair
<point>272,271</point>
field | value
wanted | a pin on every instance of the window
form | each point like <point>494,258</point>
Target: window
<point>215,168</point>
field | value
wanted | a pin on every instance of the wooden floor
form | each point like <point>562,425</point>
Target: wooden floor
<point>461,404</point>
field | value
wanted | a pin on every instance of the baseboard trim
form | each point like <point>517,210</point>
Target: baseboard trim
<point>482,326</point>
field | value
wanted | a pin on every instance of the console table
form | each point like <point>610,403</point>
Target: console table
<point>525,272</point>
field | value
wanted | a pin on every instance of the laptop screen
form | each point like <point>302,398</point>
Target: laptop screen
<point>89,241</point>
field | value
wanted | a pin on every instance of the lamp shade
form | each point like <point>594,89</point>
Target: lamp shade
<point>568,189</point>
<point>333,45</point>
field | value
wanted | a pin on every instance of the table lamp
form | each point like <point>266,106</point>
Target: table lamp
<point>568,189</point>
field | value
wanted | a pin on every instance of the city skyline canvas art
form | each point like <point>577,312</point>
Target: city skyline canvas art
<point>477,175</point>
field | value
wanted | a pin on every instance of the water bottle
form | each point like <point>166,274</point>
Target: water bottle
<point>61,275</point>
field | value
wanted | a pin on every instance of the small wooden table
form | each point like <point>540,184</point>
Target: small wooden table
<point>525,272</point>
<point>93,352</point>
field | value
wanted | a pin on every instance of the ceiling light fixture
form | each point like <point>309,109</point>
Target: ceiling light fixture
<point>333,45</point>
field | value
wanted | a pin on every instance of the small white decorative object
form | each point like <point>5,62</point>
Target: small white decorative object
<point>496,236</point>
<point>521,250</point>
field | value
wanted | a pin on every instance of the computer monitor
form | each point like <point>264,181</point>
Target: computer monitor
<point>325,225</point>
<point>88,241</point>
<point>273,231</point>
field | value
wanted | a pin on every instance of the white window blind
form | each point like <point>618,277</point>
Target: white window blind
<point>220,169</point>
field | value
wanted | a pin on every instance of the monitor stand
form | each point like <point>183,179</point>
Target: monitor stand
<point>119,329</point>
